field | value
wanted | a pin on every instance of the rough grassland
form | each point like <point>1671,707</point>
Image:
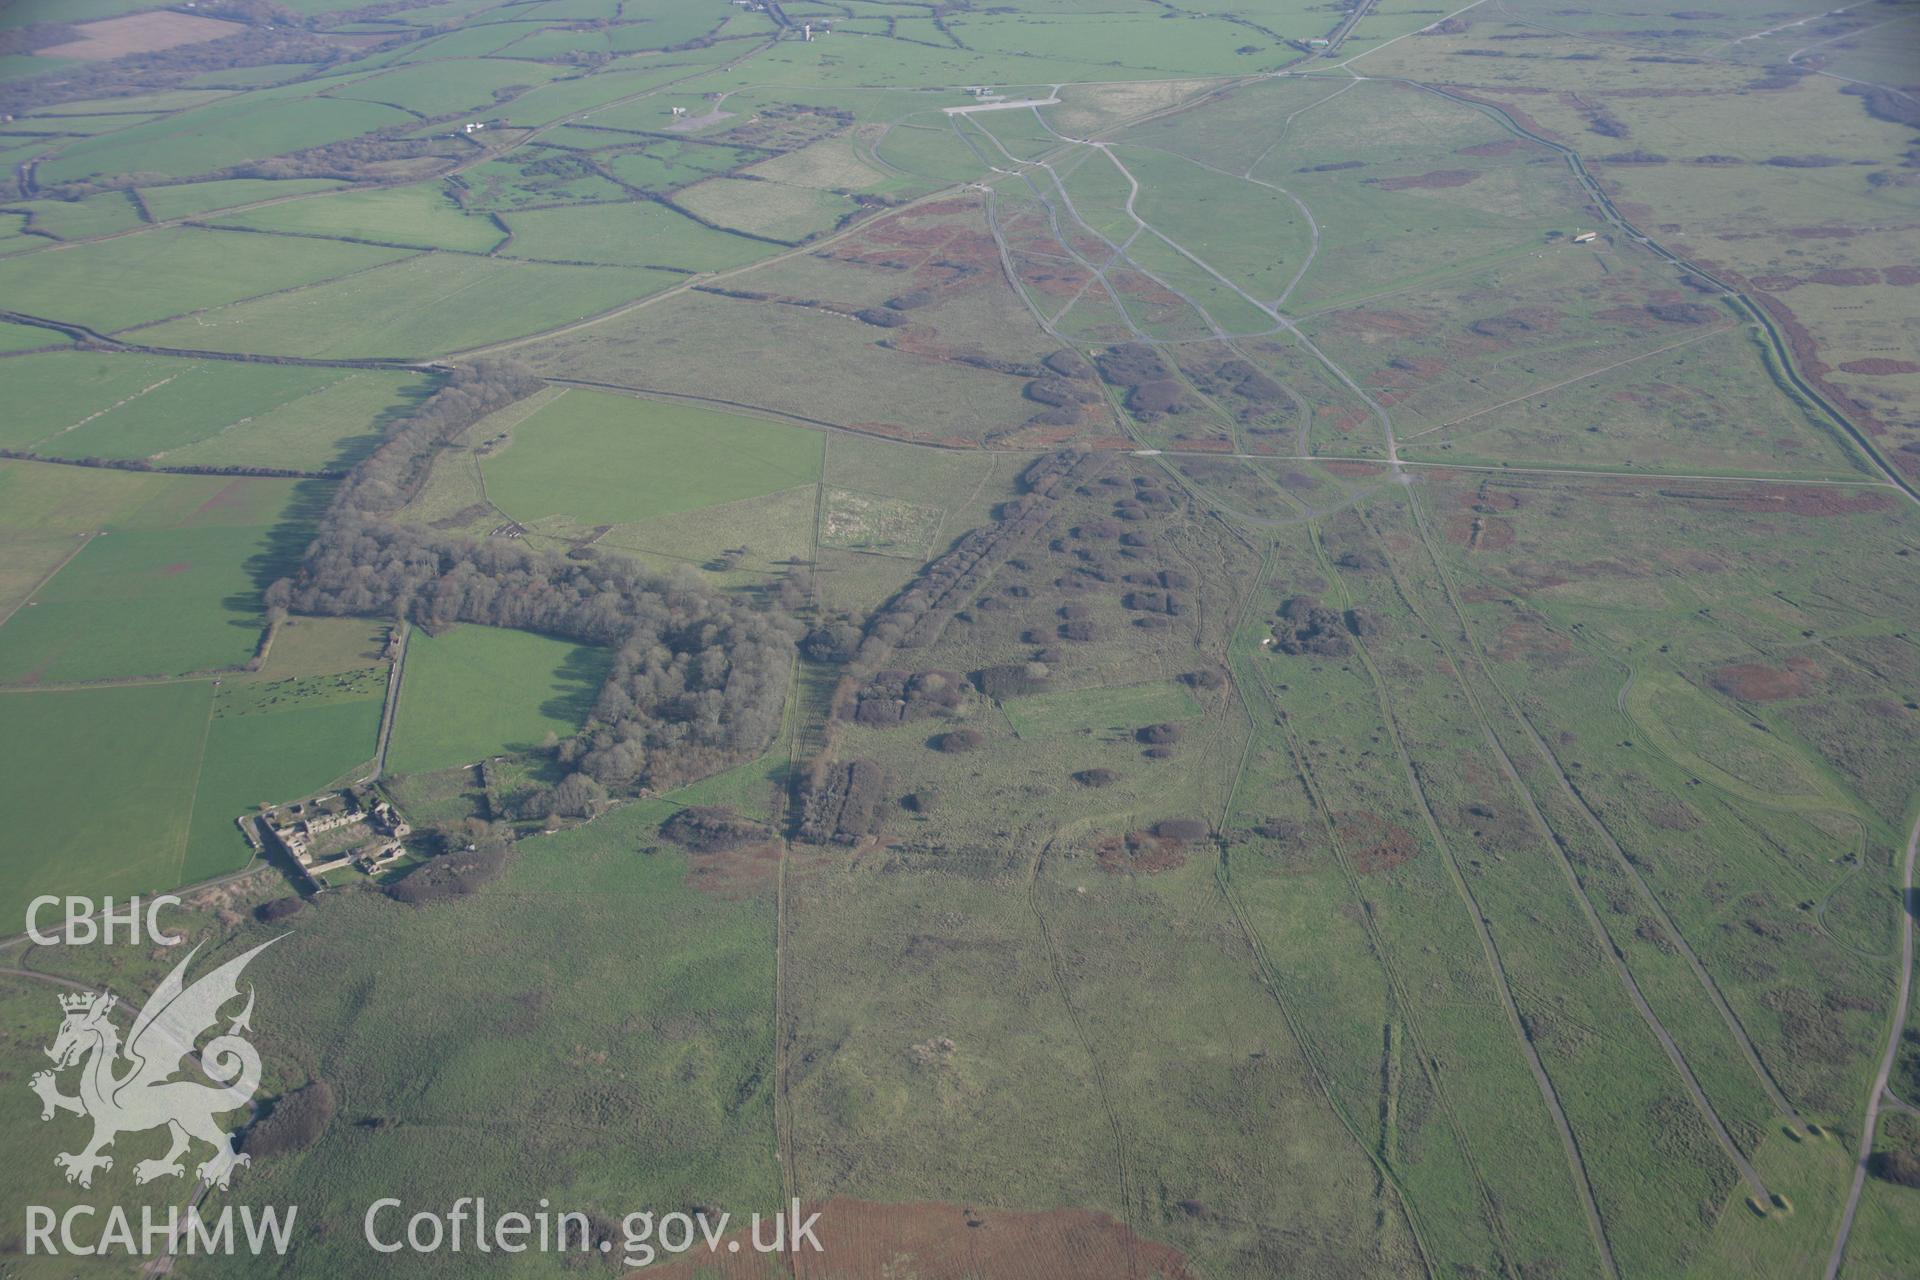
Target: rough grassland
<point>480,691</point>
<point>1093,711</point>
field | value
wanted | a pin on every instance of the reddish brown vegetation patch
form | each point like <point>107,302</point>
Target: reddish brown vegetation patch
<point>1901,275</point>
<point>1501,148</point>
<point>139,33</point>
<point>1372,843</point>
<point>1530,641</point>
<point>734,873</point>
<point>1879,366</point>
<point>177,567</point>
<point>1353,470</point>
<point>1756,682</point>
<point>231,494</point>
<point>929,1240</point>
<point>1139,853</point>
<point>1437,178</point>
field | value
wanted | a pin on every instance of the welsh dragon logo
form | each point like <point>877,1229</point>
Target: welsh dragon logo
<point>131,1088</point>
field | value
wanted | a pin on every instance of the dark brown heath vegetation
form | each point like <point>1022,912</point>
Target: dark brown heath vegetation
<point>901,697</point>
<point>843,801</point>
<point>959,741</point>
<point>454,875</point>
<point>291,1122</point>
<point>710,829</point>
<point>1153,388</point>
<point>1305,626</point>
<point>921,611</point>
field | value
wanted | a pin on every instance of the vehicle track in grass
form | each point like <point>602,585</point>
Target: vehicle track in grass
<point>1880,1091</point>
<point>1489,947</point>
<point>1644,891</point>
<point>1057,971</point>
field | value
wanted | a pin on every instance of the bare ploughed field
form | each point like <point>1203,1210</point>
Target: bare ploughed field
<point>139,33</point>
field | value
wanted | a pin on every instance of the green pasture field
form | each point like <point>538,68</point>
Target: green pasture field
<point>61,126</point>
<point>26,337</point>
<point>287,740</point>
<point>333,426</point>
<point>1099,193</point>
<point>430,305</point>
<point>57,391</point>
<point>99,784</point>
<point>98,215</point>
<point>575,95</point>
<point>929,150</point>
<point>137,279</point>
<point>220,135</point>
<point>44,500</point>
<point>253,77</point>
<point>422,215</point>
<point>1475,345</point>
<point>188,403</point>
<point>1083,712</point>
<point>636,233</point>
<point>471,42</point>
<point>483,691</point>
<point>446,85</point>
<point>14,237</point>
<point>159,101</point>
<point>147,603</point>
<point>963,486</point>
<point>187,199</point>
<point>168,581</point>
<point>596,458</point>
